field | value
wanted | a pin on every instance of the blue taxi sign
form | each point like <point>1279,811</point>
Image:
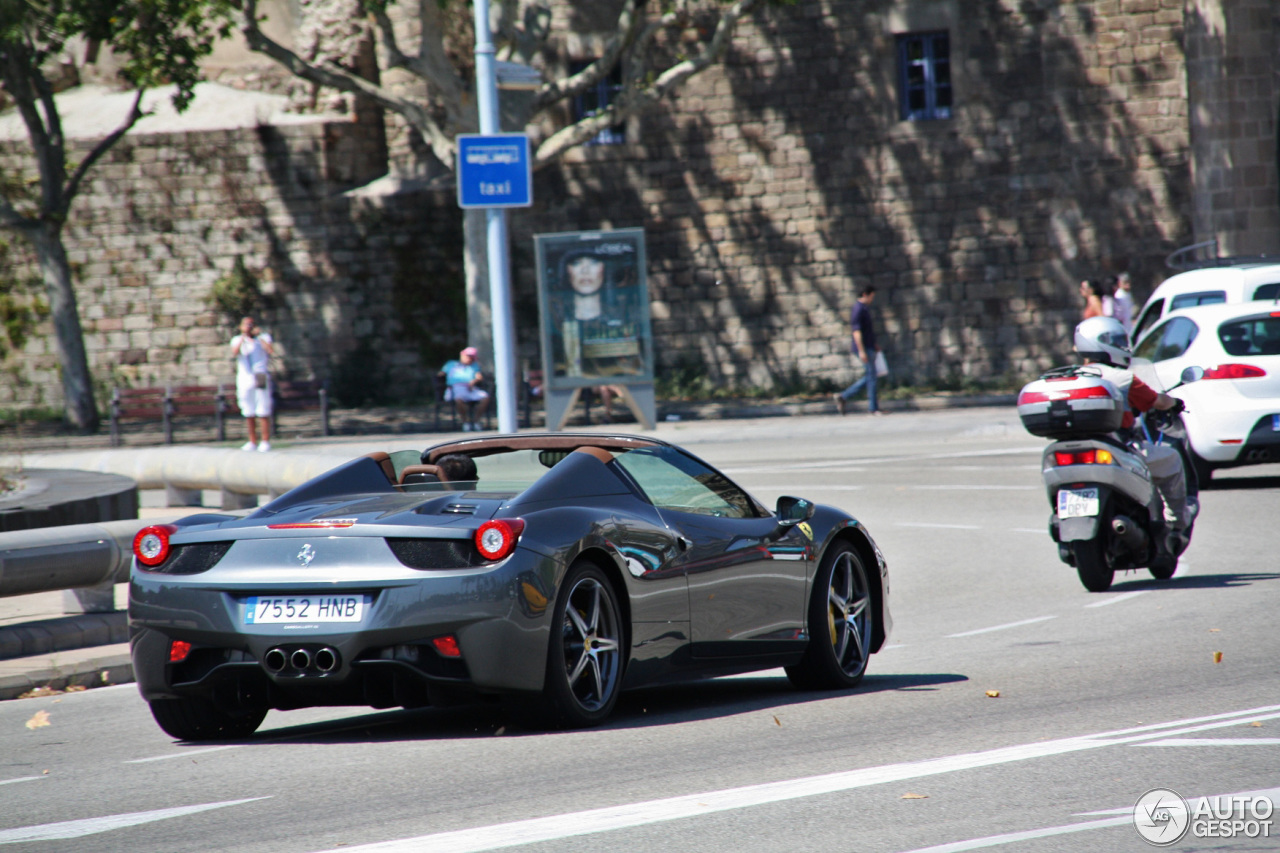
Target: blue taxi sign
<point>494,170</point>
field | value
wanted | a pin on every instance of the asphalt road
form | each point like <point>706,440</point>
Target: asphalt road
<point>1101,697</point>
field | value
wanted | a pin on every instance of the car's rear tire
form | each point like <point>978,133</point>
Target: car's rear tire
<point>199,719</point>
<point>586,653</point>
<point>1091,564</point>
<point>841,622</point>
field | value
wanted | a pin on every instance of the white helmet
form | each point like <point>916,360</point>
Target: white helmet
<point>1104,340</point>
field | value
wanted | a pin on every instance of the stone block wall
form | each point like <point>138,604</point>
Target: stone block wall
<point>773,188</point>
<point>362,292</point>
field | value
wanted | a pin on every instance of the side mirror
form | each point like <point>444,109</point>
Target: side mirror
<point>791,511</point>
<point>1192,374</point>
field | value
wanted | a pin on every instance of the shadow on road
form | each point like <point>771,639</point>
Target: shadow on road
<point>1219,581</point>
<point>654,706</point>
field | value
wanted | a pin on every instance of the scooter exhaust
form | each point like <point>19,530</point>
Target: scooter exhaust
<point>1133,537</point>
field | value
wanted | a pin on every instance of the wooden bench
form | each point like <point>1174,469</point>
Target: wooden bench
<point>166,403</point>
<point>300,395</point>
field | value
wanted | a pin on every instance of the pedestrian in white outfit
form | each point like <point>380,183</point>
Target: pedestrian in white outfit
<point>252,350</point>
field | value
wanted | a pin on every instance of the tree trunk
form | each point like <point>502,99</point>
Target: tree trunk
<point>77,386</point>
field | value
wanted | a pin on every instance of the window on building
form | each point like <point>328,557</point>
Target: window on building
<point>924,76</point>
<point>597,98</point>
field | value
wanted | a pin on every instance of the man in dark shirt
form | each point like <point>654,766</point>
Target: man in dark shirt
<point>865,348</point>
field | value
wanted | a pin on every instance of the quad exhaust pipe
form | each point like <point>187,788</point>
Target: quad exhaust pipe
<point>300,661</point>
<point>1262,455</point>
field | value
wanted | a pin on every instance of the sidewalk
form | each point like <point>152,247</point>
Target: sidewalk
<point>43,649</point>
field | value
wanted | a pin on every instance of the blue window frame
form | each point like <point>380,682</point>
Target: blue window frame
<point>597,98</point>
<point>924,76</point>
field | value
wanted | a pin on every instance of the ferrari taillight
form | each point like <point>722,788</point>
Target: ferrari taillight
<point>447,646</point>
<point>497,537</point>
<point>1234,371</point>
<point>151,544</point>
<point>178,651</point>
<point>1098,456</point>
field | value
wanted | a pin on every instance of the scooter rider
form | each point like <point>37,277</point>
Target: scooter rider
<point>1103,342</point>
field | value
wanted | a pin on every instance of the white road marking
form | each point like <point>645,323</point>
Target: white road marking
<point>1001,627</point>
<point>186,754</point>
<point>20,779</point>
<point>1014,837</point>
<point>536,830</point>
<point>1028,530</point>
<point>1118,598</point>
<point>1211,741</point>
<point>95,825</point>
<point>940,526</point>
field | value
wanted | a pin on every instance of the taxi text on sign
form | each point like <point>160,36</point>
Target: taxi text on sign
<point>494,170</point>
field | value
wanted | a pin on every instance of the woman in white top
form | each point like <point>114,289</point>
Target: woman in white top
<point>252,350</point>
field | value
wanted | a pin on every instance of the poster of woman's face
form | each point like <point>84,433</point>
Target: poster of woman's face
<point>594,306</point>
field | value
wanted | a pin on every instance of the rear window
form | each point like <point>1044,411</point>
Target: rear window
<point>1267,291</point>
<point>1207,297</point>
<point>1252,336</point>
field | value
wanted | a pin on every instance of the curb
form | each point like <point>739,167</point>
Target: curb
<point>97,666</point>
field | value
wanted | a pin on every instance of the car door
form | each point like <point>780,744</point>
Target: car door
<point>747,583</point>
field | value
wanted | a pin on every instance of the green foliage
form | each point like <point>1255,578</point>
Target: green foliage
<point>237,293</point>
<point>158,41</point>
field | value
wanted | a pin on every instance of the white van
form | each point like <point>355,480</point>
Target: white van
<point>1242,282</point>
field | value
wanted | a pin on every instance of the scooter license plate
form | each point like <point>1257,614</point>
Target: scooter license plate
<point>1077,503</point>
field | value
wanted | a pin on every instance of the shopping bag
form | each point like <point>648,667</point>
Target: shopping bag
<point>882,366</point>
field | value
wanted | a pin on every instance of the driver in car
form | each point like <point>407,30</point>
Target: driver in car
<point>1103,342</point>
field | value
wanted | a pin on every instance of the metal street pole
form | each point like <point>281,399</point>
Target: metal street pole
<point>504,367</point>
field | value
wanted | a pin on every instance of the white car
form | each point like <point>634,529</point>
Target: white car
<point>1233,414</point>
<point>1225,281</point>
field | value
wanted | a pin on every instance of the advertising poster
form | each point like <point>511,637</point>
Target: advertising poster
<point>593,298</point>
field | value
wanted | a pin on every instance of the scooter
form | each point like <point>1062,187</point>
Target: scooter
<point>1107,512</point>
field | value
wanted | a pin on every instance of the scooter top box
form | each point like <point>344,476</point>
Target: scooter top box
<point>1071,403</point>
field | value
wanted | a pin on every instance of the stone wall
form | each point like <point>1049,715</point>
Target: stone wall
<point>359,291</point>
<point>772,189</point>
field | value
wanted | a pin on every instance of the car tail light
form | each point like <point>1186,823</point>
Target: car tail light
<point>151,544</point>
<point>1027,397</point>
<point>1098,456</point>
<point>497,538</point>
<point>178,651</point>
<point>447,646</point>
<point>1234,371</point>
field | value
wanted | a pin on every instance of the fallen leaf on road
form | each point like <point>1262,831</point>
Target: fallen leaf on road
<point>1215,630</point>
<point>910,796</point>
<point>993,694</point>
<point>776,720</point>
<point>38,692</point>
<point>1217,657</point>
<point>40,719</point>
<point>1256,724</point>
<point>76,688</point>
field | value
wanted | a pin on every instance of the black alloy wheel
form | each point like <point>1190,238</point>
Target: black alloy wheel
<point>190,718</point>
<point>841,621</point>
<point>586,653</point>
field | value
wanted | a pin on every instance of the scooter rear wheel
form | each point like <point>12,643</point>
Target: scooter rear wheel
<point>1091,565</point>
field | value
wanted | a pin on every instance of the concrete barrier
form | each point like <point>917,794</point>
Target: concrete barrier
<point>92,557</point>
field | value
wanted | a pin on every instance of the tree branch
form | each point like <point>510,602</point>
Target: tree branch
<point>636,99</point>
<point>104,144</point>
<point>625,32</point>
<point>336,77</point>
